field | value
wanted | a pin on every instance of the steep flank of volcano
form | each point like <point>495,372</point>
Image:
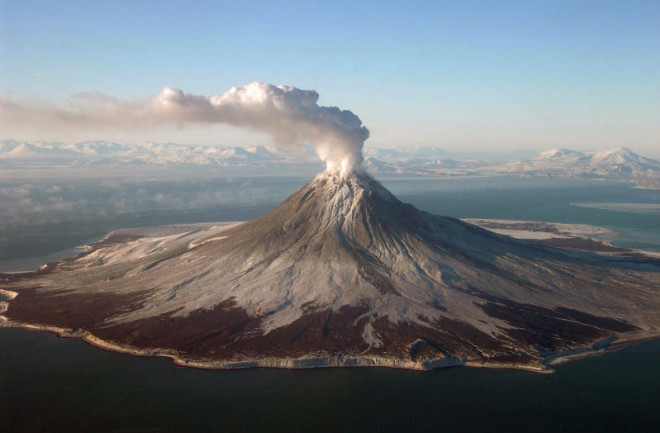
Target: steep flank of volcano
<point>342,273</point>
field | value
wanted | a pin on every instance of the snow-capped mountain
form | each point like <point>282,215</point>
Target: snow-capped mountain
<point>558,153</point>
<point>341,273</point>
<point>620,163</point>
<point>15,150</point>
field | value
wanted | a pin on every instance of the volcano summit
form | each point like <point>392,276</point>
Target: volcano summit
<point>340,274</point>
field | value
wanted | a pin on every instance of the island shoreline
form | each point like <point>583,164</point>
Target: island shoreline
<point>615,343</point>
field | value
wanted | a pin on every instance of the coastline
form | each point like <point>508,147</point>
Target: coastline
<point>608,344</point>
<point>278,363</point>
<point>274,363</point>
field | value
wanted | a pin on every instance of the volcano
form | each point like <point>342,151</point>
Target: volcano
<point>340,274</point>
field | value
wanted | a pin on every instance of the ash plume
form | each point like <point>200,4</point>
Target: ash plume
<point>291,116</point>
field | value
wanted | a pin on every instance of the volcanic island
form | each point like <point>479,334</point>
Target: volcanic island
<point>342,273</point>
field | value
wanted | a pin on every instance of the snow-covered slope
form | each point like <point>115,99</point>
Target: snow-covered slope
<point>343,273</point>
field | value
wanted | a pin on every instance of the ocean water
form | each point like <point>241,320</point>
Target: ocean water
<point>43,218</point>
<point>54,384</point>
<point>630,213</point>
<point>65,385</point>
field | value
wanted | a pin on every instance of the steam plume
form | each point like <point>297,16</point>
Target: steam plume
<point>291,116</point>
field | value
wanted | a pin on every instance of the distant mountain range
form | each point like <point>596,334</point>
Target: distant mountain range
<point>103,152</point>
<point>615,164</point>
<point>619,163</point>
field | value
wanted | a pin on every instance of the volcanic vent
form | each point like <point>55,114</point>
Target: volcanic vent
<point>341,273</point>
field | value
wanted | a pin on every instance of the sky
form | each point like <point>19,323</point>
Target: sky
<point>459,75</point>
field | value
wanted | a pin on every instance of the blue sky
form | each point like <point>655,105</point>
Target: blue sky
<point>485,75</point>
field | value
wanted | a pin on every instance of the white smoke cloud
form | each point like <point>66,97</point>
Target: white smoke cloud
<point>291,116</point>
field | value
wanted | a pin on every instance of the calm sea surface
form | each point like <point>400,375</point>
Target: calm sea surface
<point>53,384</point>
